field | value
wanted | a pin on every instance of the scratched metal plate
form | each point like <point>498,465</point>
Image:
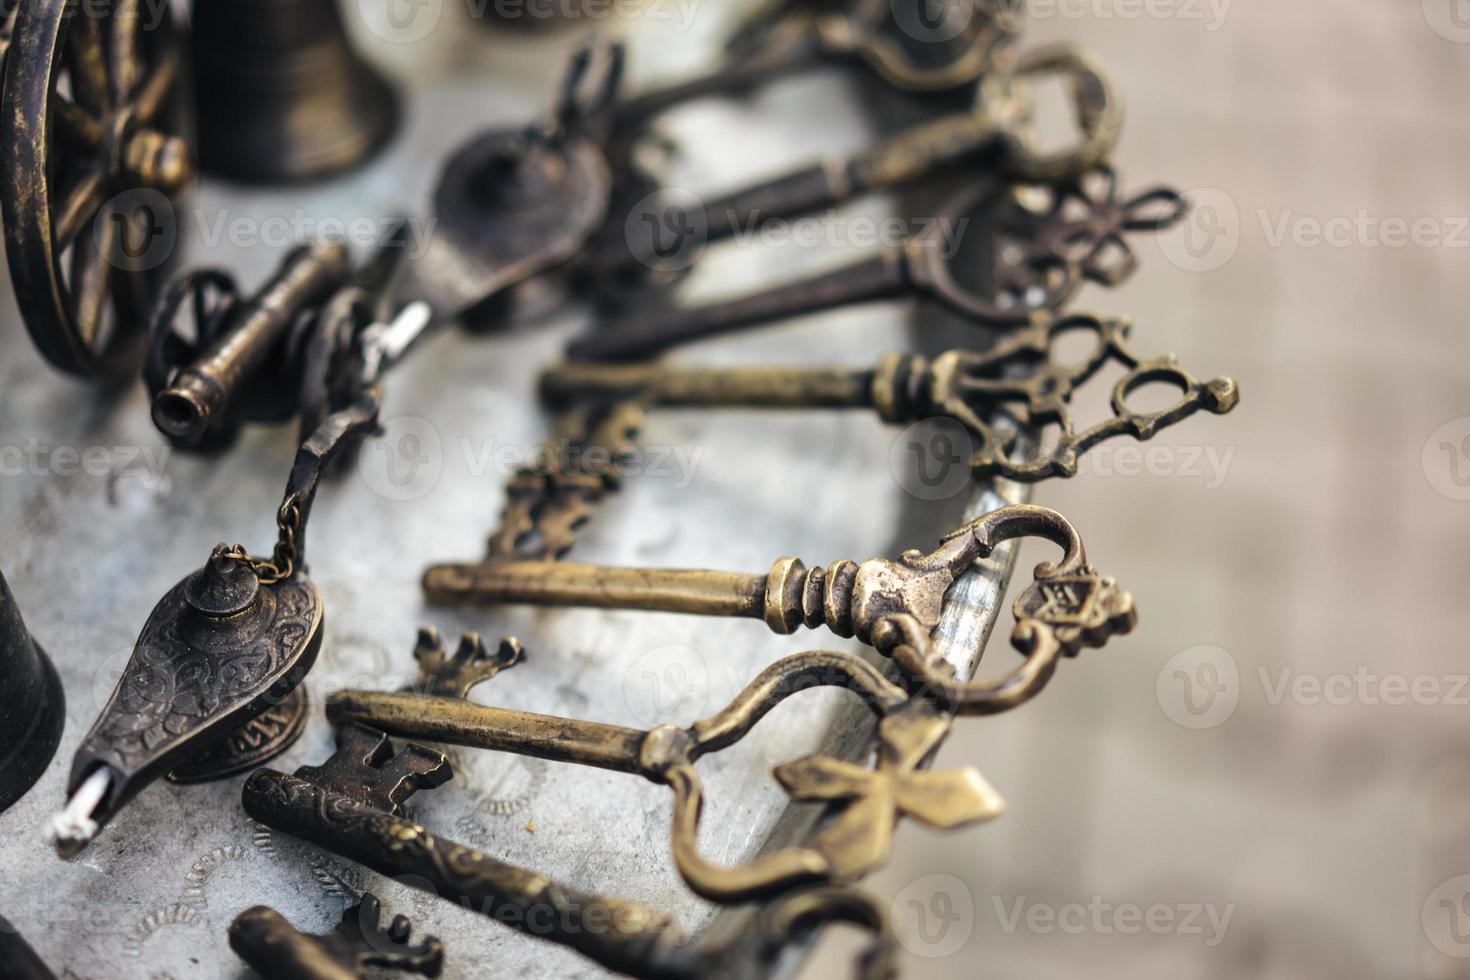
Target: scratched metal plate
<point>89,546</point>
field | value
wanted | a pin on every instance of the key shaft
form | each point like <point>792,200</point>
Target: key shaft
<point>459,722</point>
<point>535,583</point>
<point>882,276</point>
<point>756,387</point>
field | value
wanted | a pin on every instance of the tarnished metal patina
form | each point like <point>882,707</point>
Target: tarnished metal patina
<point>1039,260</point>
<point>1002,396</point>
<point>32,704</point>
<point>352,805</point>
<point>995,133</point>
<point>785,38</point>
<point>278,950</point>
<point>223,648</point>
<point>283,95</point>
<point>1019,379</point>
<point>856,842</point>
<point>93,147</point>
<point>245,359</point>
<point>514,203</point>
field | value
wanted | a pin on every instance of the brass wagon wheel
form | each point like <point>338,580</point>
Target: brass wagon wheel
<point>94,105</point>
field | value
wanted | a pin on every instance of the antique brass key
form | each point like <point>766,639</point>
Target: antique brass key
<point>892,605</point>
<point>1005,397</point>
<point>352,805</point>
<point>993,130</point>
<point>1044,257</point>
<point>788,40</point>
<point>1017,380</point>
<point>870,802</point>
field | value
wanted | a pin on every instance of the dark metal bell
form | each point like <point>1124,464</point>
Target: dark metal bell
<point>282,95</point>
<point>32,707</point>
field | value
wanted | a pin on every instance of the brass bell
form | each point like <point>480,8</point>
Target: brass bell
<point>282,94</point>
<point>32,707</point>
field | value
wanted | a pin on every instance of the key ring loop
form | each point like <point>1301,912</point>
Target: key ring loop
<point>1098,108</point>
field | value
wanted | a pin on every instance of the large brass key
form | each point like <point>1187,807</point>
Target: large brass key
<point>1017,381</point>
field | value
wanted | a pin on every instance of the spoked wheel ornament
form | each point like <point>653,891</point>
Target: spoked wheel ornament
<point>94,147</point>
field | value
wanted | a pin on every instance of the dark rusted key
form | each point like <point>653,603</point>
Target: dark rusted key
<point>787,40</point>
<point>996,130</point>
<point>351,805</point>
<point>1041,261</point>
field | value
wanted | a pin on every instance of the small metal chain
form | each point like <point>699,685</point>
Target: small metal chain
<point>282,563</point>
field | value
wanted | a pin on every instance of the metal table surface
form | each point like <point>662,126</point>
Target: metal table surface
<point>89,548</point>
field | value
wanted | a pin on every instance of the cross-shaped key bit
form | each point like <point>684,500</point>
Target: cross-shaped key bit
<point>366,769</point>
<point>274,948</point>
<point>869,803</point>
<point>893,605</point>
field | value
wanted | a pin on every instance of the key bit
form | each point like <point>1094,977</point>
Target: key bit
<point>546,504</point>
<point>869,802</point>
<point>1018,386</point>
<point>367,769</point>
<point>352,806</point>
<point>471,664</point>
<point>263,938</point>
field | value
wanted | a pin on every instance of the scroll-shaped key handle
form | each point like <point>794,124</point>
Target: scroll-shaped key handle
<point>849,598</point>
<point>235,341</point>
